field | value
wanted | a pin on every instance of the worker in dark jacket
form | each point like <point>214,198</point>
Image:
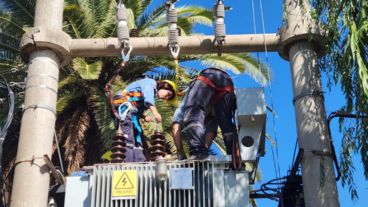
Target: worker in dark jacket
<point>212,88</point>
<point>210,125</point>
<point>132,102</point>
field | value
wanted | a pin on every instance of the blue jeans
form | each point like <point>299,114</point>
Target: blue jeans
<point>134,150</point>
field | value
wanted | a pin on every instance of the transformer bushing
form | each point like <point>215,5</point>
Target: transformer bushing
<point>157,148</point>
<point>118,146</point>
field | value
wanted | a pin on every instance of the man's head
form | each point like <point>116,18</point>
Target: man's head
<point>166,89</point>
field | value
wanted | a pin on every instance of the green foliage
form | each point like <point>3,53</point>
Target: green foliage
<point>346,62</point>
<point>88,71</point>
<point>239,63</point>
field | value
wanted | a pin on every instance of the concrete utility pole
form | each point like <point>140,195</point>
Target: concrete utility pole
<point>300,43</point>
<point>31,177</point>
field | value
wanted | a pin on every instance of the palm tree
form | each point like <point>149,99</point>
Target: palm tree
<point>84,126</point>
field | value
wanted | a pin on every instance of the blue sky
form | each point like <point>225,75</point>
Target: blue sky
<point>239,21</point>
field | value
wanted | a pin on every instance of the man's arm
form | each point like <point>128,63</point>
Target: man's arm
<point>155,113</point>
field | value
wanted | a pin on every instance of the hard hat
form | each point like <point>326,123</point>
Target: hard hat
<point>173,85</point>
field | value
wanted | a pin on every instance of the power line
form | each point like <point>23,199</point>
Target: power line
<point>270,87</point>
<point>275,156</point>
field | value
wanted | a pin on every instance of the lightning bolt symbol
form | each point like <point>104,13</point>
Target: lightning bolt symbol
<point>124,181</point>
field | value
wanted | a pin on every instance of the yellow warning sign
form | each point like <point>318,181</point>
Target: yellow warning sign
<point>124,184</point>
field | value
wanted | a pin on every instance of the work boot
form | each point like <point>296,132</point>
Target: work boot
<point>181,156</point>
<point>204,155</point>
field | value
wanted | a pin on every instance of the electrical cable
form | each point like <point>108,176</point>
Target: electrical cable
<point>293,160</point>
<point>59,152</point>
<point>259,67</point>
<point>270,86</point>
<point>9,118</point>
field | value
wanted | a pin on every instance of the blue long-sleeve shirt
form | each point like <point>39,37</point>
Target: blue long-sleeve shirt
<point>148,88</point>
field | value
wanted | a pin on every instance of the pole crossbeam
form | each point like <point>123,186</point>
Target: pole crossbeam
<point>155,46</point>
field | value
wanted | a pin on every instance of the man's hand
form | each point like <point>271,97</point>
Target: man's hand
<point>155,113</point>
<point>148,118</point>
<point>158,117</point>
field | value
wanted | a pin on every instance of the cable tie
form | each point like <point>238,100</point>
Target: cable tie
<point>42,86</point>
<point>35,106</point>
<point>41,75</point>
<point>313,93</point>
<point>30,160</point>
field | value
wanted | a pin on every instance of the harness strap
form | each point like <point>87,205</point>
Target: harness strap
<point>135,94</point>
<point>139,129</point>
<point>219,92</point>
<point>123,111</point>
<point>133,97</point>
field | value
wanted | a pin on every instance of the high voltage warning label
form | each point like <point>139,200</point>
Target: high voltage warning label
<point>124,184</point>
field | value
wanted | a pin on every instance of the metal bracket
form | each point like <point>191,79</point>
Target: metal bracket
<point>41,38</point>
<point>125,51</point>
<point>314,93</point>
<point>322,153</point>
<point>174,50</point>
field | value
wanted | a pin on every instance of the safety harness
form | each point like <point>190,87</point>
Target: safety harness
<point>130,101</point>
<point>133,97</point>
<point>219,92</point>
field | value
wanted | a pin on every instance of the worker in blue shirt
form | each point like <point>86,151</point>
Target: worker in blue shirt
<point>132,102</point>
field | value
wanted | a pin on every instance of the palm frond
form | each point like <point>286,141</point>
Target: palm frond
<point>21,10</point>
<point>67,98</point>
<point>160,30</point>
<point>9,49</point>
<point>192,13</point>
<point>137,6</point>
<point>75,143</point>
<point>88,71</point>
<point>106,23</point>
<point>238,63</point>
<point>11,25</point>
<point>185,26</point>
<point>100,108</point>
<point>101,8</point>
<point>80,14</point>
<point>143,6</point>
<point>71,79</point>
<point>146,20</point>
